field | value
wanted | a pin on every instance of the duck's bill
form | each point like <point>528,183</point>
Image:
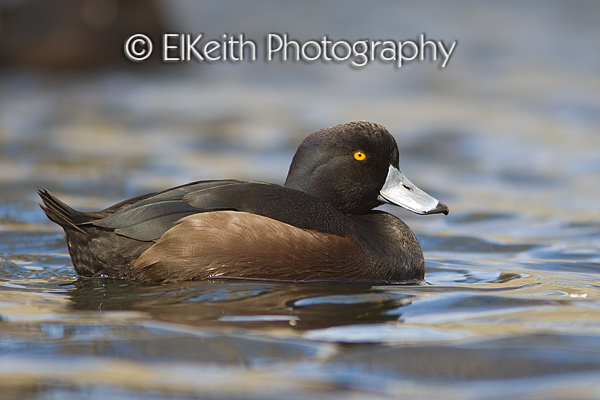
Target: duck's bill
<point>399,191</point>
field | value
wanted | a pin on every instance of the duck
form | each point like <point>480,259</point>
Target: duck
<point>320,225</point>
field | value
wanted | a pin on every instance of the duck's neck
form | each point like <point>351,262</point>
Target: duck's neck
<point>392,246</point>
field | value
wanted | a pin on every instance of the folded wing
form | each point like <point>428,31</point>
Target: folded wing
<point>147,218</point>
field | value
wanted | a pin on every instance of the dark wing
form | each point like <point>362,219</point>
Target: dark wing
<point>148,217</point>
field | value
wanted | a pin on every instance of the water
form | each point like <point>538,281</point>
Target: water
<point>506,135</point>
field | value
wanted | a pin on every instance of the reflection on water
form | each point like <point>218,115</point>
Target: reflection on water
<point>472,322</point>
<point>506,136</point>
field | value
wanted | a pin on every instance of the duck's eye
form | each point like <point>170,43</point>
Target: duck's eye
<point>359,155</point>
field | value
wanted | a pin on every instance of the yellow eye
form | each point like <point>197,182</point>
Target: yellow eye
<point>359,155</point>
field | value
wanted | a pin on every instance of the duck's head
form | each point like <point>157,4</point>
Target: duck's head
<point>354,166</point>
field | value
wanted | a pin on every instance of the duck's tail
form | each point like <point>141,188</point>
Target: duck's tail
<point>60,213</point>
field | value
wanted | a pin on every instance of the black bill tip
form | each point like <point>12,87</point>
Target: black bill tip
<point>441,208</point>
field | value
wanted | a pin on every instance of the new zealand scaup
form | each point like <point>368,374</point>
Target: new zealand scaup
<point>319,226</point>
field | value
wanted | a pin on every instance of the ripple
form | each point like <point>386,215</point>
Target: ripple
<point>468,244</point>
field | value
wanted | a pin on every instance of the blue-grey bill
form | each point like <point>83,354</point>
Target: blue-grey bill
<point>400,191</point>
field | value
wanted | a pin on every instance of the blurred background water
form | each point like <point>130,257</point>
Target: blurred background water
<point>507,135</point>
